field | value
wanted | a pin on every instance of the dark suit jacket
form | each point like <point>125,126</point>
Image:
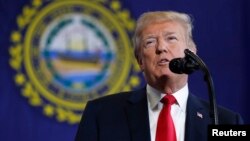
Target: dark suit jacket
<point>124,117</point>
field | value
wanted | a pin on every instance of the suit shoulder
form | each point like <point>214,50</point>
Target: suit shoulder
<point>113,98</point>
<point>227,116</point>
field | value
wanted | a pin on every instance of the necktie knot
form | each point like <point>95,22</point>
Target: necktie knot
<point>168,99</point>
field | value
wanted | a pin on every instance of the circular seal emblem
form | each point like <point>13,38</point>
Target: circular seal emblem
<point>68,52</point>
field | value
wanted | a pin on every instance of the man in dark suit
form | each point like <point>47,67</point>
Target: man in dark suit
<point>133,116</point>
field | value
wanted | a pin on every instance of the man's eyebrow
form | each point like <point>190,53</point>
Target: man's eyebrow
<point>168,33</point>
<point>148,36</point>
<point>154,36</point>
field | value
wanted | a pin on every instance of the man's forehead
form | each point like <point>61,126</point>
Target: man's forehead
<point>165,28</point>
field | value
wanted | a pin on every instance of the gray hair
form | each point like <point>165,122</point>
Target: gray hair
<point>160,16</point>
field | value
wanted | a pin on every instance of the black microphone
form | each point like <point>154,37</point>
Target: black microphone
<point>189,64</point>
<point>185,65</point>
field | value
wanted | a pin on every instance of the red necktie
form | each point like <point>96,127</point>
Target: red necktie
<point>165,127</point>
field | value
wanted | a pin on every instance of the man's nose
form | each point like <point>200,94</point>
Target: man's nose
<point>161,47</point>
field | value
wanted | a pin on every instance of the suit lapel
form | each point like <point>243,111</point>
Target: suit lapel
<point>136,109</point>
<point>197,120</point>
<point>137,116</point>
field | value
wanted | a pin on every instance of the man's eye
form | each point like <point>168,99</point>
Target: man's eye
<point>150,43</point>
<point>172,38</point>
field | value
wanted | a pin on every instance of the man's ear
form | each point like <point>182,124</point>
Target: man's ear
<point>140,63</point>
<point>193,49</point>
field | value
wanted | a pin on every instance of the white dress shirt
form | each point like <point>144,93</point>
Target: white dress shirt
<point>178,110</point>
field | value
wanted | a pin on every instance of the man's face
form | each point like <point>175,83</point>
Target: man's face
<point>161,42</point>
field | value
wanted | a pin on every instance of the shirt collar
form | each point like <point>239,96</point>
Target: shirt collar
<point>154,97</point>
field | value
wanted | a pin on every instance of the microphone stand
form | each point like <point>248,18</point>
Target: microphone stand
<point>208,79</point>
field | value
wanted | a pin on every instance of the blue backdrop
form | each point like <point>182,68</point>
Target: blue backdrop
<point>222,35</point>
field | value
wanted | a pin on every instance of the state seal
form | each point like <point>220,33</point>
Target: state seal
<point>68,52</point>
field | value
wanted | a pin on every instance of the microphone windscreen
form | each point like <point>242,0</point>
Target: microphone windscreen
<point>176,65</point>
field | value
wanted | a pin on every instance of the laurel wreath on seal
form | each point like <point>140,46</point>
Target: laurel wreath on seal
<point>16,59</point>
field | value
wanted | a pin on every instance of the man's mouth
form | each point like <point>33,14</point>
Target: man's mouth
<point>163,61</point>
